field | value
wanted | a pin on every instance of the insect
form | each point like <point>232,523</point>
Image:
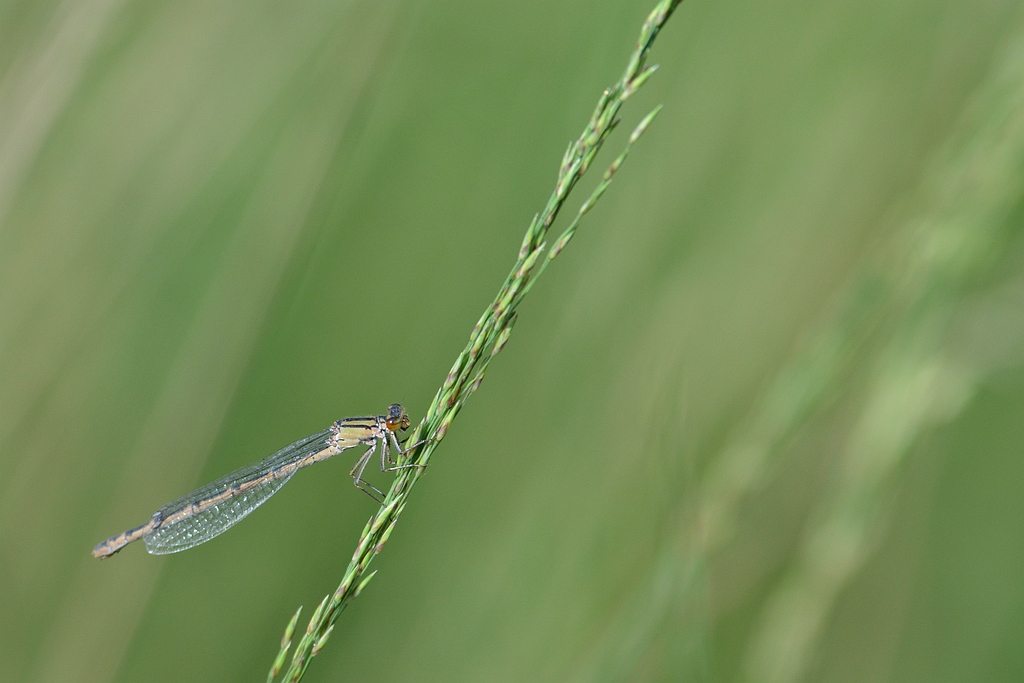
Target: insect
<point>213,509</point>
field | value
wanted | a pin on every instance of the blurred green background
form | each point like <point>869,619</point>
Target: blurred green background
<point>760,422</point>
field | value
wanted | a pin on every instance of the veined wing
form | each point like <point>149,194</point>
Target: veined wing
<point>213,520</point>
<point>213,509</point>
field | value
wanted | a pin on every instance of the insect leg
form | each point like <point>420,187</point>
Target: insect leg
<point>357,476</point>
<point>398,449</point>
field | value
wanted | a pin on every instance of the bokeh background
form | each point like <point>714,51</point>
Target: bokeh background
<point>761,422</point>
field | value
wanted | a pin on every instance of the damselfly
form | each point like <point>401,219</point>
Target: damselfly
<point>213,509</point>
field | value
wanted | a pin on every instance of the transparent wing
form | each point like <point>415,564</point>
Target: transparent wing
<point>214,520</point>
<point>213,509</point>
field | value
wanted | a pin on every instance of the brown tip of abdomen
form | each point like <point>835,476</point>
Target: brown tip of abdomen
<point>115,543</point>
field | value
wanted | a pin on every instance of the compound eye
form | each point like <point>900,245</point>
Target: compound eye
<point>396,417</point>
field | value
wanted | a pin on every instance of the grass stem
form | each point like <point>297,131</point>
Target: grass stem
<point>488,338</point>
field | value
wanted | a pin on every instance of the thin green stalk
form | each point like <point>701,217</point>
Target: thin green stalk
<point>488,338</point>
